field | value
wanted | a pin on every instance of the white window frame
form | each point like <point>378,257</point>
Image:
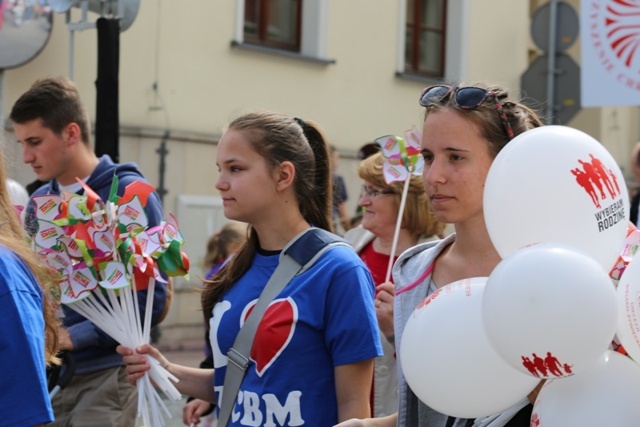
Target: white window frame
<point>456,49</point>
<point>197,233</point>
<point>314,32</point>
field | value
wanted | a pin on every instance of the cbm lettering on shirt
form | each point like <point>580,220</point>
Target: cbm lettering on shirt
<point>248,413</point>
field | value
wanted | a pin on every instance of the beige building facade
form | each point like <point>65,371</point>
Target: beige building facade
<point>186,67</point>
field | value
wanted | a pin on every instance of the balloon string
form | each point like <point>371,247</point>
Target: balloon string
<point>396,232</point>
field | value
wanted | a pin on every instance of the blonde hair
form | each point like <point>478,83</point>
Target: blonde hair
<point>12,237</point>
<point>417,217</point>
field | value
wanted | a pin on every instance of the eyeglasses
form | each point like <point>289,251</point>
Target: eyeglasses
<point>372,193</point>
<point>467,98</point>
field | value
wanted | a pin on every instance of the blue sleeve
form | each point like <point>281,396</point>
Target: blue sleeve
<point>30,218</point>
<point>24,386</point>
<point>340,189</point>
<point>30,223</point>
<point>85,334</point>
<point>352,327</point>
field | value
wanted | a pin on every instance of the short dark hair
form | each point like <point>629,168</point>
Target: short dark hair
<point>56,102</point>
<point>368,150</point>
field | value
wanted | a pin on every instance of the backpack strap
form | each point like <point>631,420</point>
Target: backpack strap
<point>308,247</point>
<point>298,256</point>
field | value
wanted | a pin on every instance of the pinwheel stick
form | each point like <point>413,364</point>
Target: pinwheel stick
<point>396,233</point>
<point>109,298</point>
<point>118,317</point>
<point>146,332</point>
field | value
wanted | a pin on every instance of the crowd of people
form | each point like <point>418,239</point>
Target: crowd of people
<point>325,350</point>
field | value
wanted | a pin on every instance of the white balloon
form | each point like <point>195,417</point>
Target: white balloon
<point>448,361</point>
<point>17,193</point>
<point>549,310</point>
<point>628,294</point>
<point>606,394</point>
<point>556,183</point>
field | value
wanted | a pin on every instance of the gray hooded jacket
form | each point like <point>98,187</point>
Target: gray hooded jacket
<point>412,277</point>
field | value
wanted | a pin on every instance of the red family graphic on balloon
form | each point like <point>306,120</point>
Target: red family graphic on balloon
<point>535,420</point>
<point>594,177</point>
<point>550,366</point>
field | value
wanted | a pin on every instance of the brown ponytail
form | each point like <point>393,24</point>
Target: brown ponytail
<point>278,138</point>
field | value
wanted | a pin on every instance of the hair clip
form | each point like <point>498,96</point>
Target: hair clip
<point>300,122</point>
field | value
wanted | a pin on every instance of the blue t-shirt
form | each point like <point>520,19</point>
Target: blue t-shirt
<point>322,319</point>
<point>24,398</point>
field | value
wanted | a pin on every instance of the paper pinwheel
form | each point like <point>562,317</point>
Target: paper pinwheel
<point>103,253</point>
<point>401,160</point>
<point>401,156</point>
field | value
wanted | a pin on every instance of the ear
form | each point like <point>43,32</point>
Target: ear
<point>285,174</point>
<point>71,134</point>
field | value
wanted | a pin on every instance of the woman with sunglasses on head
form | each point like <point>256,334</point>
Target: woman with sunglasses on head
<point>464,129</point>
<point>312,356</point>
<point>373,240</point>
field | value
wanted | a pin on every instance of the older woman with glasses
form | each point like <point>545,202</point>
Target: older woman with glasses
<point>373,241</point>
<point>463,131</point>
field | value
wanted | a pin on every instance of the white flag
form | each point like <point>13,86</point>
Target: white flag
<point>610,37</point>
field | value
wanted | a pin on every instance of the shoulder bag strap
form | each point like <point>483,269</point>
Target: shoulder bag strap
<point>299,254</point>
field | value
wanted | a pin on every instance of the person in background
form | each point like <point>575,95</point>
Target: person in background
<point>312,359</point>
<point>51,124</point>
<point>635,199</point>
<point>34,185</point>
<point>341,218</point>
<point>29,331</point>
<point>367,150</point>
<point>463,131</point>
<point>220,247</point>
<point>373,240</point>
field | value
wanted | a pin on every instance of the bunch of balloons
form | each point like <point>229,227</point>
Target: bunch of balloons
<point>557,211</point>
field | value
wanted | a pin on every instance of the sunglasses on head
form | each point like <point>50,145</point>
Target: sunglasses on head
<point>467,98</point>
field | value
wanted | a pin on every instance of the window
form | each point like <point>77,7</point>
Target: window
<point>273,23</point>
<point>425,33</point>
<point>283,27</point>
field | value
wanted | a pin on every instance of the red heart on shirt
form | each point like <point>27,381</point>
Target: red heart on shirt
<point>274,333</point>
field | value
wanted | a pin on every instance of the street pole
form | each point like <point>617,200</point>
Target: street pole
<point>2,102</point>
<point>551,70</point>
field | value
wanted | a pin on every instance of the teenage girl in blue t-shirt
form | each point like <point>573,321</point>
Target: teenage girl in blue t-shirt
<point>312,357</point>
